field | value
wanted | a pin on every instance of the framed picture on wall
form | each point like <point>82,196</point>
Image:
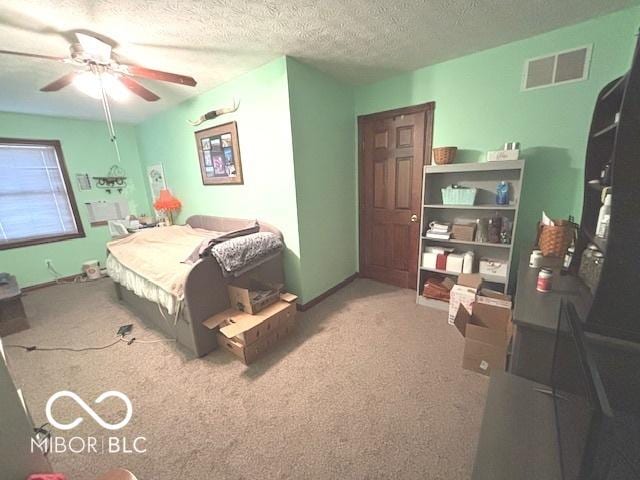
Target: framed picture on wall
<point>219,155</point>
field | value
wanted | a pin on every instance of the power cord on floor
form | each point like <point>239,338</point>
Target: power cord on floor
<point>80,278</point>
<point>32,348</point>
<point>122,333</point>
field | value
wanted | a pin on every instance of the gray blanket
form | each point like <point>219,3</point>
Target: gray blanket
<point>237,254</point>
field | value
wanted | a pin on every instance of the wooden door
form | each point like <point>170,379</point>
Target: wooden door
<point>393,147</point>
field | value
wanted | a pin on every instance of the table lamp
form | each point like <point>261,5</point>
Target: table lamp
<point>167,203</point>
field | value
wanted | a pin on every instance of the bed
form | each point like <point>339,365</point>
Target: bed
<point>202,284</point>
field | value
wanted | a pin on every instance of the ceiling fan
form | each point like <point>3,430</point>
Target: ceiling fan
<point>99,71</point>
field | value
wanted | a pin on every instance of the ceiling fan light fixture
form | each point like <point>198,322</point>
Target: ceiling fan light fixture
<point>115,88</point>
<point>90,84</point>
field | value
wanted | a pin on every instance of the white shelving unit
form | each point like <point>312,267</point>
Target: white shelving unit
<point>485,177</point>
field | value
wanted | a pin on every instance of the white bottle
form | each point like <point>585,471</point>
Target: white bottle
<point>467,262</point>
<point>602,229</point>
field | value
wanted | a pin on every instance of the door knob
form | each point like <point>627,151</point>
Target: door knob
<point>414,218</point>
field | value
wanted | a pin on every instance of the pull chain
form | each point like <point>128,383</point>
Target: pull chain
<point>107,112</point>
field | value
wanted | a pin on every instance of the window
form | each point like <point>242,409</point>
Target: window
<point>36,201</point>
<point>556,69</point>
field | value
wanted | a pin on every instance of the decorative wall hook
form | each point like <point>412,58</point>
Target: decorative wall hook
<point>215,113</point>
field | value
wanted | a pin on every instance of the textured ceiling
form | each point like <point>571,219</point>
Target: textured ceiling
<point>358,41</point>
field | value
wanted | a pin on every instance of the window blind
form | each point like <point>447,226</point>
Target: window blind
<point>34,202</point>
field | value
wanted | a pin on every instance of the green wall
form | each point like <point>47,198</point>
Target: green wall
<point>479,107</point>
<point>297,135</point>
<point>325,172</point>
<point>87,149</point>
<point>264,132</point>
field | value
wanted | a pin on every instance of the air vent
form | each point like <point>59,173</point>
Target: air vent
<point>557,69</point>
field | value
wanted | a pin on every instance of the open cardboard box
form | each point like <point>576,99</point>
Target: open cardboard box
<point>487,332</point>
<point>249,336</point>
<point>252,295</point>
<point>463,293</point>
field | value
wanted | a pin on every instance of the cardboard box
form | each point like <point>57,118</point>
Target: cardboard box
<point>463,293</point>
<point>249,336</point>
<point>429,259</point>
<point>491,266</point>
<point>486,332</point>
<point>463,231</point>
<point>246,328</point>
<point>454,262</point>
<point>500,155</point>
<point>253,295</point>
<point>249,353</point>
<point>491,297</point>
<point>441,260</point>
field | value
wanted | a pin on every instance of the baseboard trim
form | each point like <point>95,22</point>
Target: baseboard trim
<point>38,286</point>
<point>331,291</point>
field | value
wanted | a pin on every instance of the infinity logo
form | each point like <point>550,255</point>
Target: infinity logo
<point>89,410</point>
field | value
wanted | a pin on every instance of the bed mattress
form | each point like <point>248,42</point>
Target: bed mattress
<point>141,286</point>
<point>151,262</point>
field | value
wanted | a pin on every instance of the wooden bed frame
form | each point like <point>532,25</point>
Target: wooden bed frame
<point>205,292</point>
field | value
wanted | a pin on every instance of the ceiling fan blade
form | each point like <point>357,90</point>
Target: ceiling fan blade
<point>138,89</point>
<point>137,71</point>
<point>96,49</point>
<point>59,83</point>
<point>33,55</point>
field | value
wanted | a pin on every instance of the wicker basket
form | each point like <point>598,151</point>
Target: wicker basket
<point>444,155</point>
<point>554,240</point>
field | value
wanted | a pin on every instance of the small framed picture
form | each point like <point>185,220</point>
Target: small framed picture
<point>219,155</point>
<point>84,183</point>
<point>207,158</point>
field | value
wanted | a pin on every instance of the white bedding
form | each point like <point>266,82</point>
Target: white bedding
<point>150,262</point>
<point>141,286</point>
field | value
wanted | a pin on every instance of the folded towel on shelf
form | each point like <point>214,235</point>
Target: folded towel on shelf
<point>438,235</point>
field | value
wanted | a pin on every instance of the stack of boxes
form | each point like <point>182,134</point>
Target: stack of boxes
<point>483,317</point>
<point>260,316</point>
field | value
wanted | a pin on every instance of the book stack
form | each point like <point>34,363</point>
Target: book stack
<point>439,231</point>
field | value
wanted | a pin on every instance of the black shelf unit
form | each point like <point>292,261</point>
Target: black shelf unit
<point>615,137</point>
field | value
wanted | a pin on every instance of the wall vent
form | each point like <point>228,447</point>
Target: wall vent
<point>556,69</point>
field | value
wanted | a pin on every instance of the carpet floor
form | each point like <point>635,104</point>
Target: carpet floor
<point>369,386</point>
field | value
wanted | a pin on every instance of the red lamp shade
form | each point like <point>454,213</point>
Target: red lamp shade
<point>167,202</point>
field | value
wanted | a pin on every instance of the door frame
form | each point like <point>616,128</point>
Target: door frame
<point>428,110</point>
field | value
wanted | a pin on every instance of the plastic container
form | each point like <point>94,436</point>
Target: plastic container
<point>502,193</point>
<point>588,267</point>
<point>544,280</point>
<point>535,260</point>
<point>482,230</point>
<point>467,262</point>
<point>453,195</point>
<point>602,229</point>
<point>495,227</point>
